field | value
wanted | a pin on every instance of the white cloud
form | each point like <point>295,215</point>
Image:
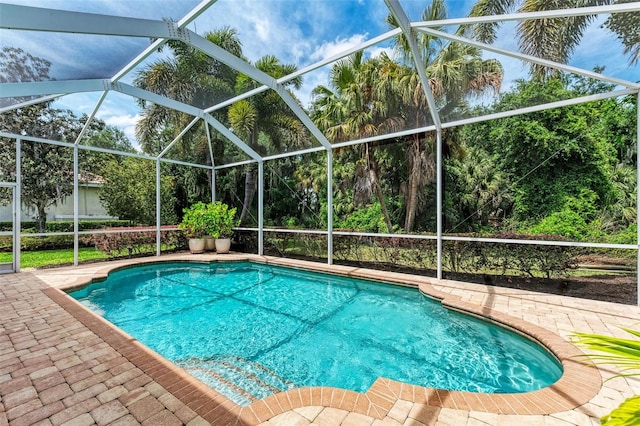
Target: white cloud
<point>117,110</point>
<point>337,46</point>
<point>376,51</point>
<point>126,123</point>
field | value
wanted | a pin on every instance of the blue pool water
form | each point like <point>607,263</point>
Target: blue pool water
<point>249,330</point>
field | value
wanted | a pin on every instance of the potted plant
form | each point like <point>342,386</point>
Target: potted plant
<point>194,226</point>
<point>220,223</point>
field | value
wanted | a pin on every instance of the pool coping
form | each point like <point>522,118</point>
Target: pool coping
<point>579,383</point>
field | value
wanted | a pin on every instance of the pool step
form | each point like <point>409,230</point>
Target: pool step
<point>241,380</point>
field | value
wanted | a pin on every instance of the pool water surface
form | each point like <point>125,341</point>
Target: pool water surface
<point>249,330</point>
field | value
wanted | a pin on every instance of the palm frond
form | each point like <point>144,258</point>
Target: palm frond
<point>625,26</point>
<point>627,413</point>
<point>553,39</point>
<point>486,33</point>
<point>624,353</point>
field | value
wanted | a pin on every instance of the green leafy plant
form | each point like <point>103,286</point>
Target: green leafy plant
<point>194,222</point>
<point>624,353</point>
<point>220,220</point>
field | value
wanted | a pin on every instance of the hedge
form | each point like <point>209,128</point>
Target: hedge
<point>118,244</point>
<point>458,256</point>
<point>67,226</point>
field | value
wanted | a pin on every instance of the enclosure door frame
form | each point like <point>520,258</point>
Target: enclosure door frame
<point>14,230</point>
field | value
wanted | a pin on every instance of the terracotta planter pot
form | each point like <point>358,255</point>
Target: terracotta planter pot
<point>196,245</point>
<point>223,245</point>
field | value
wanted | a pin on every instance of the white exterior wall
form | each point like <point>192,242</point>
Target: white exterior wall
<point>89,207</point>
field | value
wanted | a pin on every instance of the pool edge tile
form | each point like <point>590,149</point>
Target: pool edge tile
<point>375,402</point>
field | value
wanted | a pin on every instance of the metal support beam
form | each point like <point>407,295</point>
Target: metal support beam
<point>55,87</point>
<point>49,87</point>
<point>216,52</point>
<point>212,171</point>
<point>403,21</point>
<point>261,208</point>
<point>158,43</point>
<point>524,16</point>
<point>16,231</point>
<point>158,210</point>
<point>213,182</point>
<point>330,206</point>
<point>638,195</point>
<point>177,138</point>
<point>326,61</point>
<point>232,137</point>
<point>28,102</point>
<point>76,205</point>
<point>18,201</point>
<point>28,18</point>
<point>91,117</point>
<point>532,59</point>
<point>439,187</point>
<point>187,109</point>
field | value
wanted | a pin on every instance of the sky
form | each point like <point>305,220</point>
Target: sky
<point>297,32</point>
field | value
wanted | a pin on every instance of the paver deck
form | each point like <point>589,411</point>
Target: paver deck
<point>61,364</point>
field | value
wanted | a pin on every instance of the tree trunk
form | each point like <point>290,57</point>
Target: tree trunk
<point>41,219</point>
<point>249,192</point>
<point>373,166</point>
<point>412,185</point>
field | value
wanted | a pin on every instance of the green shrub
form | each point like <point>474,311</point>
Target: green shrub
<point>194,220</point>
<point>86,225</point>
<point>566,223</point>
<point>8,226</point>
<point>368,219</point>
<point>67,226</point>
<point>46,243</point>
<point>461,256</point>
<point>526,259</point>
<point>629,235</point>
<point>624,353</point>
<point>220,220</point>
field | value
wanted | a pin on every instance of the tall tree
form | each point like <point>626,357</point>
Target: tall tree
<point>102,136</point>
<point>556,159</point>
<point>479,190</point>
<point>264,120</point>
<point>456,72</point>
<point>18,66</point>
<point>355,105</point>
<point>192,77</point>
<point>555,39</point>
<point>47,169</point>
<point>129,192</point>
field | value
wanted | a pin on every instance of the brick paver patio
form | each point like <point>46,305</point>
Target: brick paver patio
<point>61,364</point>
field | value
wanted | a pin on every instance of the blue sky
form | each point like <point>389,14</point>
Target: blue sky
<point>297,32</point>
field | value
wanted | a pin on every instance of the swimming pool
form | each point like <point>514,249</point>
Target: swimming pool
<point>249,330</point>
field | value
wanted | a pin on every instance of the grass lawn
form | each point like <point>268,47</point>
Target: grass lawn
<point>35,259</point>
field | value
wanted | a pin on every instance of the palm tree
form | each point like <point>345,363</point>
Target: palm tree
<point>456,72</point>
<point>356,105</point>
<point>481,189</point>
<point>190,77</point>
<point>555,39</point>
<point>264,120</point>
